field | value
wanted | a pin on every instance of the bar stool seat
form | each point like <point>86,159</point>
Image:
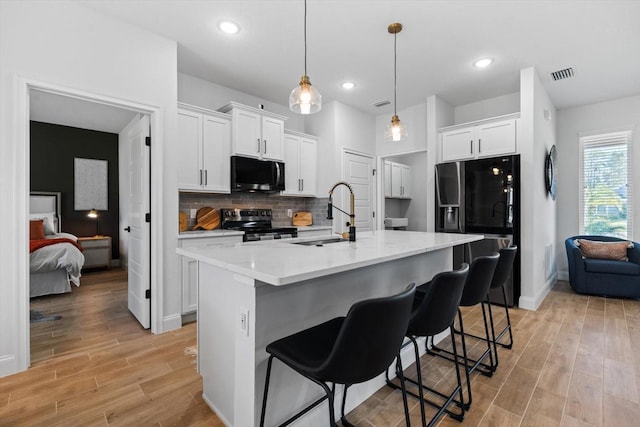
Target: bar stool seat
<point>475,291</point>
<point>434,310</point>
<point>500,279</point>
<point>346,350</point>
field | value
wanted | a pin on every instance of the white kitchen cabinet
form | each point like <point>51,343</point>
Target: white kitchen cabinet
<point>387,179</point>
<point>189,268</point>
<point>397,180</point>
<point>205,148</point>
<point>256,133</point>
<point>483,140</point>
<point>301,164</point>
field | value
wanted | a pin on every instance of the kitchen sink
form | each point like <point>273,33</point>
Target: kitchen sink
<point>322,242</point>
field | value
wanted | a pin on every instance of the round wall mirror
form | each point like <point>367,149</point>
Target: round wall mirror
<point>549,172</point>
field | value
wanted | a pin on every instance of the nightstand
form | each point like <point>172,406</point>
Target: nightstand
<point>96,250</point>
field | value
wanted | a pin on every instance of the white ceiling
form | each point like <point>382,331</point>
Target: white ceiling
<point>348,40</point>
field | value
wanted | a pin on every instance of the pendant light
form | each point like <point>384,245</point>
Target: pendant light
<point>305,99</point>
<point>396,131</point>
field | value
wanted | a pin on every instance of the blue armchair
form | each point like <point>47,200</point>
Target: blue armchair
<point>602,276</point>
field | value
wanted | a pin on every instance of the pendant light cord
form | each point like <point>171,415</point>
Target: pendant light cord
<point>305,37</point>
<point>395,73</point>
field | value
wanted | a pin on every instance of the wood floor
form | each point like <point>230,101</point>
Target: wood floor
<point>575,362</point>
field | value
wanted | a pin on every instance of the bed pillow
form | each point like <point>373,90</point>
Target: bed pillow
<point>36,229</point>
<point>49,222</point>
<point>604,250</point>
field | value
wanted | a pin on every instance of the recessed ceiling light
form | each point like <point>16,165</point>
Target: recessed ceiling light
<point>229,27</point>
<point>348,85</point>
<point>483,63</point>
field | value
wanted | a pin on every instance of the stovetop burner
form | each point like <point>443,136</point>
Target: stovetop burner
<point>256,223</point>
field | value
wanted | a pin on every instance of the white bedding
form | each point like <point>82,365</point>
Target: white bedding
<point>58,256</point>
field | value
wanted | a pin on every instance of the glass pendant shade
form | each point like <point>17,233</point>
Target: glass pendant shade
<point>304,98</point>
<point>396,131</point>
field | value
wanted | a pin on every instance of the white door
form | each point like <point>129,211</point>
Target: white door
<point>358,171</point>
<point>140,230</point>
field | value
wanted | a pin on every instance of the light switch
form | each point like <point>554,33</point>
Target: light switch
<point>192,213</point>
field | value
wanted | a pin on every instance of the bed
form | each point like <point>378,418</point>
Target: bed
<point>54,266</point>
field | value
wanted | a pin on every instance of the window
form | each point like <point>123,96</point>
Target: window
<point>605,174</point>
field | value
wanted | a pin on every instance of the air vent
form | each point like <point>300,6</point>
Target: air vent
<point>562,74</point>
<point>382,103</point>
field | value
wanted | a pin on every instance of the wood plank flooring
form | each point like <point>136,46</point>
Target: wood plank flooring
<point>575,362</point>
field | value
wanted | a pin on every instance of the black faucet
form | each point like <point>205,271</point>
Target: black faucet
<point>352,213</point>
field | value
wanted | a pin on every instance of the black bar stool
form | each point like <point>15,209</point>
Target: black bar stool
<point>500,279</point>
<point>434,310</point>
<point>475,291</point>
<point>346,350</point>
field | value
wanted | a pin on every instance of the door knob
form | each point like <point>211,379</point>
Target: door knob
<point>128,229</point>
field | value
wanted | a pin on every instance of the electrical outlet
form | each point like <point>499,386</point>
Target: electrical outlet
<point>244,320</point>
<point>289,213</point>
<point>192,213</point>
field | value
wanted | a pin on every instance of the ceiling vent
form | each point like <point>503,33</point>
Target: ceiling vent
<point>382,103</point>
<point>562,74</point>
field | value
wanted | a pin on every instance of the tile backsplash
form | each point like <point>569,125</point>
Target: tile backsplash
<point>278,204</point>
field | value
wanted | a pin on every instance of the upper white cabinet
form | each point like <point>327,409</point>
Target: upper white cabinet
<point>301,164</point>
<point>482,140</point>
<point>256,133</point>
<point>397,180</point>
<point>205,146</point>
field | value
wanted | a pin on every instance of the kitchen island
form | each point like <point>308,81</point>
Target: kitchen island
<point>250,294</point>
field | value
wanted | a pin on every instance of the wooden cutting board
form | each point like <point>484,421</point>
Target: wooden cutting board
<point>302,219</point>
<point>207,218</point>
<point>183,221</point>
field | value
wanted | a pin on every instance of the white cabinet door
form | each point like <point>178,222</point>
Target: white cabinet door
<point>189,285</point>
<point>189,155</point>
<point>399,181</point>
<point>301,164</point>
<point>247,138</point>
<point>272,138</point>
<point>485,140</point>
<point>292,165</point>
<point>189,267</point>
<point>216,152</point>
<point>387,179</point>
<point>308,170</point>
<point>396,180</point>
<point>497,138</point>
<point>405,176</point>
<point>458,144</point>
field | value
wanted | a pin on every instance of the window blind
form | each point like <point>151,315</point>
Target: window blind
<point>605,194</point>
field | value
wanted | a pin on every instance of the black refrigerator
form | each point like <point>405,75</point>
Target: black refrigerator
<point>482,197</point>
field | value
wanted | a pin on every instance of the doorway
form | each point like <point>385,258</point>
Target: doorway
<point>358,170</point>
<point>68,107</point>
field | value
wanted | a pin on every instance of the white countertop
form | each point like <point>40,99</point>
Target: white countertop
<point>280,262</point>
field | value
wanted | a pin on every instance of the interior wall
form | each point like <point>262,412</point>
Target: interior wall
<point>201,93</point>
<point>611,115</point>
<point>53,150</point>
<point>67,45</point>
<point>535,136</point>
<point>487,108</point>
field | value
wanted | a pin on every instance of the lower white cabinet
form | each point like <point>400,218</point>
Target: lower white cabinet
<point>189,268</point>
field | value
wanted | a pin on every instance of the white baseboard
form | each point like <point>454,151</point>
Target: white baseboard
<point>563,275</point>
<point>533,303</point>
<point>7,365</point>
<point>170,323</point>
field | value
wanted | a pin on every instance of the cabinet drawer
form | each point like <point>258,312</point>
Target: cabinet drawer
<point>96,251</point>
<point>91,244</point>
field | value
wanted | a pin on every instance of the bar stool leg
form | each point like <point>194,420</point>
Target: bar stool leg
<point>404,390</point>
<point>419,374</point>
<point>506,309</point>
<point>466,366</point>
<point>266,390</point>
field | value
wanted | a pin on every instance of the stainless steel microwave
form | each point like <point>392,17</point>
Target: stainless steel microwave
<point>253,175</point>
